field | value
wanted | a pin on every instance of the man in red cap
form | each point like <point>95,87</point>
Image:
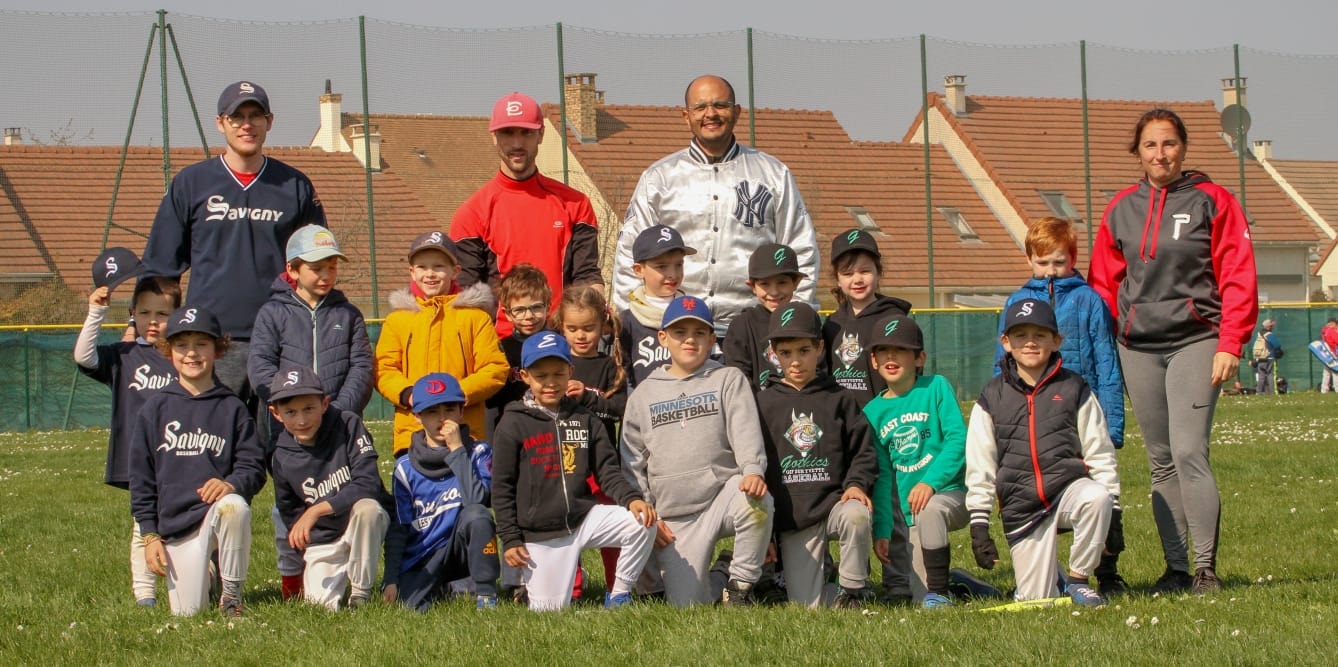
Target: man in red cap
<point>523,216</point>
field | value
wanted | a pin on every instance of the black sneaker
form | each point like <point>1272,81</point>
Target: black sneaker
<point>895,599</point>
<point>852,598</point>
<point>1111,584</point>
<point>737,594</point>
<point>1206,582</point>
<point>1174,581</point>
<point>514,595</point>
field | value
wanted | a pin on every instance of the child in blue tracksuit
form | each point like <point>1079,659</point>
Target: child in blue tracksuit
<point>442,490</point>
<point>1088,347</point>
<point>195,463</point>
<point>308,322</point>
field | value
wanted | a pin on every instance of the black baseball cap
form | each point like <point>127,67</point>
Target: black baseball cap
<point>192,318</point>
<point>657,240</point>
<point>794,320</point>
<point>854,239</point>
<point>115,266</point>
<point>773,259</point>
<point>1030,311</point>
<point>433,240</point>
<point>897,331</point>
<point>295,381</point>
<point>240,93</point>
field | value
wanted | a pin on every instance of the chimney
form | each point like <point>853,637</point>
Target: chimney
<point>582,102</point>
<point>954,86</point>
<point>13,136</point>
<point>1263,149</point>
<point>359,140</point>
<point>329,137</point>
<point>1229,92</point>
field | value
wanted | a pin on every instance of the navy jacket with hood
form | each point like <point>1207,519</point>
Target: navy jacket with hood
<point>181,441</point>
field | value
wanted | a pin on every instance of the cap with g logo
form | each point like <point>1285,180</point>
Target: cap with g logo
<point>1030,311</point>
<point>897,331</point>
<point>114,266</point>
<point>854,239</point>
<point>192,318</point>
<point>295,381</point>
<point>435,389</point>
<point>240,93</point>
<point>773,259</point>
<point>794,320</point>
<point>656,240</point>
<point>543,345</point>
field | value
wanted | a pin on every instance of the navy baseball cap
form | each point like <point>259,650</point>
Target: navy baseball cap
<point>435,389</point>
<point>794,320</point>
<point>543,345</point>
<point>773,259</point>
<point>1030,311</point>
<point>240,93</point>
<point>115,266</point>
<point>657,240</point>
<point>854,239</point>
<point>295,381</point>
<point>685,307</point>
<point>192,318</point>
<point>897,331</point>
<point>433,240</point>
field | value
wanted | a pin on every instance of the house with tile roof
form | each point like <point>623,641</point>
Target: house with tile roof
<point>1024,156</point>
<point>54,207</point>
<point>1313,186</point>
<point>876,185</point>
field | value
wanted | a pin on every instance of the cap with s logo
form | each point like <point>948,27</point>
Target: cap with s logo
<point>295,381</point>
<point>1030,311</point>
<point>794,320</point>
<point>543,345</point>
<point>435,389</point>
<point>192,319</point>
<point>773,259</point>
<point>433,240</point>
<point>897,331</point>
<point>854,239</point>
<point>657,240</point>
<point>240,93</point>
<point>114,266</point>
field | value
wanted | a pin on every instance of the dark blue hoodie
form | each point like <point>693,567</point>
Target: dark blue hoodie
<point>339,467</point>
<point>180,442</point>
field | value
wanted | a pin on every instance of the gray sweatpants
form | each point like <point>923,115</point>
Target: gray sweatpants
<point>1174,399</point>
<point>1263,376</point>
<point>944,513</point>
<point>685,561</point>
<point>802,551</point>
<point>1084,506</point>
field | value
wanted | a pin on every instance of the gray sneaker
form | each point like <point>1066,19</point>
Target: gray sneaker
<point>1206,582</point>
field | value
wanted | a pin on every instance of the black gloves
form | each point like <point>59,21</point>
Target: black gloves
<point>983,546</point>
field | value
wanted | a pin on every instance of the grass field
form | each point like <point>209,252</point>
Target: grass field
<point>64,584</point>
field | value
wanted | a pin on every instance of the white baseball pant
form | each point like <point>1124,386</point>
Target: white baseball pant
<point>1085,507</point>
<point>549,580</point>
<point>351,560</point>
<point>227,528</point>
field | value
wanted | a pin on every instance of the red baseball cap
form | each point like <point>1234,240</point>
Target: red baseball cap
<point>516,110</point>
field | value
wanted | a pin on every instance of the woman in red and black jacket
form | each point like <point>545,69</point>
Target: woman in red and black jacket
<point>1174,262</point>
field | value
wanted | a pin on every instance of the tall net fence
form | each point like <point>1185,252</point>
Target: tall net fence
<point>845,114</point>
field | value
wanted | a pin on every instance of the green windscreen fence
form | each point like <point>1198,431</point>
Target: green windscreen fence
<point>40,388</point>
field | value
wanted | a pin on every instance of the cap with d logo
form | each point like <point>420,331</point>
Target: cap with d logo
<point>435,389</point>
<point>794,320</point>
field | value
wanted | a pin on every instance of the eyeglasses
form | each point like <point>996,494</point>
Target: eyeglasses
<point>533,310</point>
<point>718,105</point>
<point>238,120</point>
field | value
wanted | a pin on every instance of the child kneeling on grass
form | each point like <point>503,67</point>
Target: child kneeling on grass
<point>1037,440</point>
<point>327,489</point>
<point>195,463</point>
<point>444,531</point>
<point>548,444</point>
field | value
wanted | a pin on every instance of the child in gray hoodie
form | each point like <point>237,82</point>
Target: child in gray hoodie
<point>692,445</point>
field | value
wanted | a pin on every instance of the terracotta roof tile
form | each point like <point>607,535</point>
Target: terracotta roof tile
<point>1316,181</point>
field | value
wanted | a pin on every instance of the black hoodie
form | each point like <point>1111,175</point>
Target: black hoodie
<point>847,336</point>
<point>819,444</point>
<point>180,442</point>
<point>338,467</point>
<point>541,461</point>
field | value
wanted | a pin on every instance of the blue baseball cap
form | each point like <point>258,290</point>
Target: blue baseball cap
<point>543,345</point>
<point>685,307</point>
<point>435,389</point>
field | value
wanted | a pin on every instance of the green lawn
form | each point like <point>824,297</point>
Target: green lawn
<point>64,584</point>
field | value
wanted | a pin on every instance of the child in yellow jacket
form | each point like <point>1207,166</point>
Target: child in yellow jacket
<point>432,331</point>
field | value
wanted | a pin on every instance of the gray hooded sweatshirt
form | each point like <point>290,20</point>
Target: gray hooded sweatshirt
<point>683,438</point>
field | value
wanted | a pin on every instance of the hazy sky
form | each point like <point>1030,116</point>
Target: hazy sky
<point>1282,25</point>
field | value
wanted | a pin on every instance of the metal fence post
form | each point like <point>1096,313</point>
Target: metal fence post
<point>929,186</point>
<point>1240,128</point>
<point>367,163</point>
<point>562,104</point>
<point>752,101</point>
<point>1086,150</point>
<point>162,81</point>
